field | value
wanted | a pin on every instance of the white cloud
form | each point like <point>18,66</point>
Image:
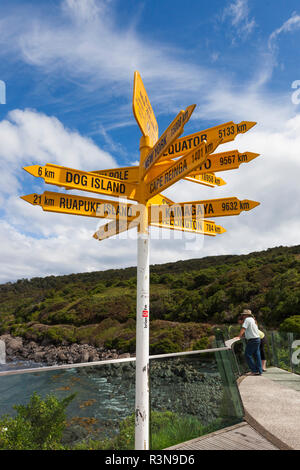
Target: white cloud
<point>28,137</point>
<point>292,24</point>
<point>238,14</point>
<point>34,243</point>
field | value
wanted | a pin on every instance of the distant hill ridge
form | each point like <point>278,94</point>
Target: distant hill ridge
<point>179,266</point>
<point>187,299</point>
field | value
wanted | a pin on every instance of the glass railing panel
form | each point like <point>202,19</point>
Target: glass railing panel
<point>221,335</point>
<point>296,354</point>
<point>281,350</point>
<point>239,353</point>
<point>103,405</point>
<point>191,395</point>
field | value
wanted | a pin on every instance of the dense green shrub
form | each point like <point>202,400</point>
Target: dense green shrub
<point>37,426</point>
<point>291,324</point>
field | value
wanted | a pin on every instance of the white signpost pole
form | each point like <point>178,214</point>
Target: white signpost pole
<point>142,406</point>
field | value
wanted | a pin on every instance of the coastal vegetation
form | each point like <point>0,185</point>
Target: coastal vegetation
<point>187,300</point>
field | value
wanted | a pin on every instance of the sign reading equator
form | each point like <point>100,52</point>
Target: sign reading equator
<point>227,132</point>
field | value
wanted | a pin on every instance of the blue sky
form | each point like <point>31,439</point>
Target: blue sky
<point>68,66</point>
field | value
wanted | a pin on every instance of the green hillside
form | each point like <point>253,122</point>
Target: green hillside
<point>188,298</point>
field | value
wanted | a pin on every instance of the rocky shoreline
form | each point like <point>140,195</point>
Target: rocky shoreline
<point>18,348</point>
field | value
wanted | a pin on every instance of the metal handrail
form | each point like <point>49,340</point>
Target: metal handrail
<point>108,361</point>
<point>230,342</point>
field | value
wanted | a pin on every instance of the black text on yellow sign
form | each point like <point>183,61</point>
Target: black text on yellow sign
<point>227,132</point>
<point>85,181</point>
<point>84,206</point>
<point>181,168</point>
<point>114,228</point>
<point>225,161</point>
<point>221,207</point>
<point>207,179</point>
<point>191,225</point>
<point>174,130</point>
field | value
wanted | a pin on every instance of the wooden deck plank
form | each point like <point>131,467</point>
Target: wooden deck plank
<point>239,437</point>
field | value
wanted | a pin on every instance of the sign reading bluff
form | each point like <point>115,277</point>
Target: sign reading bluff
<point>85,181</point>
<point>174,130</point>
<point>180,168</point>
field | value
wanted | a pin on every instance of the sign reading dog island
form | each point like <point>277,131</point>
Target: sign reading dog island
<point>164,161</point>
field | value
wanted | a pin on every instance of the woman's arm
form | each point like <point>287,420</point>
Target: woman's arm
<point>242,332</point>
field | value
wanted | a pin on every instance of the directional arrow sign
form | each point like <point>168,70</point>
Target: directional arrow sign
<point>131,173</point>
<point>85,206</point>
<point>113,228</point>
<point>225,161</point>
<point>181,168</point>
<point>208,179</point>
<point>85,181</point>
<point>203,227</point>
<point>143,111</point>
<point>174,130</point>
<point>227,132</point>
<point>126,173</point>
<point>201,209</point>
<point>160,199</point>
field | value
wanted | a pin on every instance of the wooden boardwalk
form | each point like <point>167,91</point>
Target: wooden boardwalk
<point>238,437</point>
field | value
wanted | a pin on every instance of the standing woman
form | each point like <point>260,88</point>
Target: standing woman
<point>262,349</point>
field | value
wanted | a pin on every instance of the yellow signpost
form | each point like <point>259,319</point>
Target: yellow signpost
<point>190,225</point>
<point>225,161</point>
<point>207,179</point>
<point>181,168</point>
<point>227,132</point>
<point>159,168</point>
<point>221,207</point>
<point>143,111</point>
<point>171,133</point>
<point>113,228</point>
<point>129,174</point>
<point>85,206</point>
<point>83,180</point>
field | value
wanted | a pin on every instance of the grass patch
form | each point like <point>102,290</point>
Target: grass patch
<point>167,429</point>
